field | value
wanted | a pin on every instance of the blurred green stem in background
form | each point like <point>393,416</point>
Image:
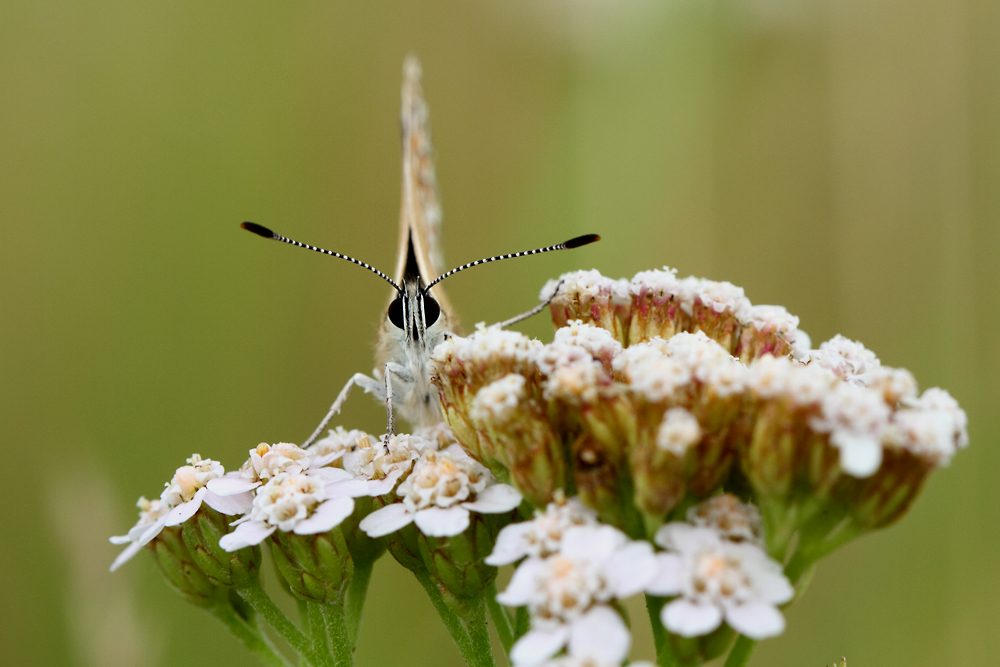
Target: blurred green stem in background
<point>740,655</point>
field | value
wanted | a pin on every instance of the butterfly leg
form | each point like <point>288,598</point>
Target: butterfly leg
<point>369,385</point>
<point>406,377</point>
<point>531,313</point>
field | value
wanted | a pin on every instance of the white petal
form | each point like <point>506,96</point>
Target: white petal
<point>861,457</point>
<point>495,499</point>
<point>631,569</point>
<point>185,511</point>
<point>139,530</point>
<point>246,535</point>
<point>682,536</point>
<point>332,474</point>
<point>510,544</point>
<point>228,486</point>
<point>756,620</point>
<point>152,530</point>
<point>387,520</point>
<point>380,487</point>
<point>326,516</point>
<point>522,585</point>
<point>593,543</point>
<point>326,459</point>
<point>601,635</point>
<point>537,646</point>
<point>439,522</point>
<point>125,556</point>
<point>689,619</point>
<point>239,503</point>
<point>348,488</point>
<point>120,539</point>
<point>667,580</point>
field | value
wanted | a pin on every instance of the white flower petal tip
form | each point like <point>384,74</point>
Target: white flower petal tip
<point>230,486</point>
<point>495,499</point>
<point>861,458</point>
<point>246,535</point>
<point>689,619</point>
<point>230,505</point>
<point>440,522</point>
<point>348,488</point>
<point>537,646</point>
<point>125,556</point>
<point>756,620</point>
<point>387,520</point>
<point>185,511</point>
<point>326,459</point>
<point>326,516</point>
<point>509,546</point>
<point>600,635</point>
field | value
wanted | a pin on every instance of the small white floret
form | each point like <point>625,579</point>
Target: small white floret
<point>440,492</point>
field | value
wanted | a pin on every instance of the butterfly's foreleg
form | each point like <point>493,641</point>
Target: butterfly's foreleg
<point>531,313</point>
<point>369,385</point>
<point>403,374</point>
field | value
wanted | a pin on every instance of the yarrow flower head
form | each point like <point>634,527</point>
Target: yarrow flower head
<point>180,500</point>
<point>542,536</point>
<point>568,595</point>
<point>439,494</point>
<point>305,503</point>
<point>718,580</point>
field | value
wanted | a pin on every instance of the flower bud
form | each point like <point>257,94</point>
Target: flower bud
<point>461,366</point>
<point>316,567</point>
<point>591,298</point>
<point>769,330</point>
<point>656,306</point>
<point>920,438</point>
<point>516,427</point>
<point>201,534</point>
<point>456,564</point>
<point>181,571</point>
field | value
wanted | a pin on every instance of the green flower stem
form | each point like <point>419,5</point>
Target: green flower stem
<point>336,628</point>
<point>263,605</point>
<point>249,635</point>
<point>740,655</point>
<point>522,622</point>
<point>454,626</point>
<point>356,593</point>
<point>479,634</point>
<point>501,619</point>
<point>316,627</point>
<point>665,655</point>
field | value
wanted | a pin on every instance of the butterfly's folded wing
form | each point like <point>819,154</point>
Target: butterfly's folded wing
<point>420,211</point>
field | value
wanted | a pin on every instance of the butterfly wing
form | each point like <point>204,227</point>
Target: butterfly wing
<point>419,250</point>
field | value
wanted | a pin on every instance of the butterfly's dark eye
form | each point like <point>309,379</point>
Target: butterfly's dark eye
<point>432,311</point>
<point>396,313</point>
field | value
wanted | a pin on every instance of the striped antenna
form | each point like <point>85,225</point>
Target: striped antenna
<point>566,245</point>
<point>261,230</point>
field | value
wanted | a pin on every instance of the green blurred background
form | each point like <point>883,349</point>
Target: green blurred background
<point>841,158</point>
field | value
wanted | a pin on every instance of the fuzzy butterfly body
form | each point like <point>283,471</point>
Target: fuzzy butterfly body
<point>419,316</point>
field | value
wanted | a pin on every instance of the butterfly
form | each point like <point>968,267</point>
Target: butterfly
<point>419,315</point>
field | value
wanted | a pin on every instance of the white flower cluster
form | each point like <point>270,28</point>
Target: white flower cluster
<point>586,287</point>
<point>287,488</point>
<point>181,498</point>
<point>439,494</point>
<point>574,569</point>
